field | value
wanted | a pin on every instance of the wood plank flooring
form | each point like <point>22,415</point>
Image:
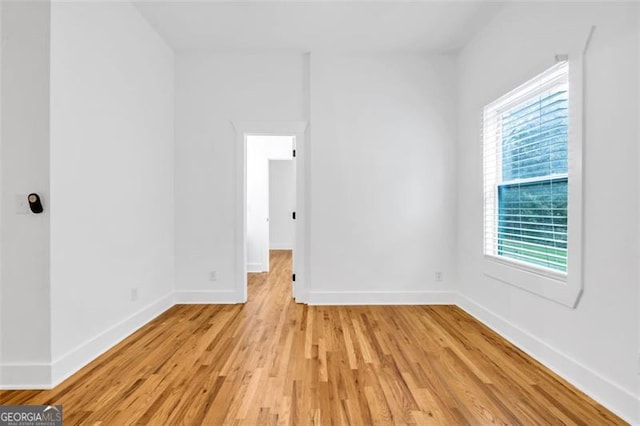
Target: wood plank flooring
<point>272,361</point>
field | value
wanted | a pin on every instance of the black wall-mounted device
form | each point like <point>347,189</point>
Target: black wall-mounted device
<point>34,203</point>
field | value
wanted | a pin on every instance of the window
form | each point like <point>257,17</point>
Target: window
<point>526,174</point>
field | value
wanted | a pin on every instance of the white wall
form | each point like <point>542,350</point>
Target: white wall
<point>112,163</point>
<point>382,169</point>
<point>638,238</point>
<point>261,149</point>
<point>383,187</point>
<point>282,203</point>
<point>595,345</point>
<point>25,335</point>
<point>212,90</point>
<point>1,203</point>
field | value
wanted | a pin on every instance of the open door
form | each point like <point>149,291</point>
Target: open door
<point>282,206</point>
<point>293,216</point>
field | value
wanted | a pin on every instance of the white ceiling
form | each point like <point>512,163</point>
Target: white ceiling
<point>286,26</point>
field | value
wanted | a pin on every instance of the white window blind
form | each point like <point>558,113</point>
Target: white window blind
<point>525,147</point>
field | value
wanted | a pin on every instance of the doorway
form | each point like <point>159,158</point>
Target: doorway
<point>270,192</point>
<point>282,204</point>
<point>300,262</point>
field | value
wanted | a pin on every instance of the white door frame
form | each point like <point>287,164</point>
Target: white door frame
<point>301,249</point>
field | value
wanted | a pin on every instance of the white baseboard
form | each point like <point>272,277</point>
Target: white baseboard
<point>47,376</point>
<point>381,298</point>
<point>82,355</point>
<point>207,297</point>
<point>25,376</point>
<point>620,401</point>
<point>256,267</point>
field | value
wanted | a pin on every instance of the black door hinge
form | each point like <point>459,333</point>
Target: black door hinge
<point>294,152</point>
<point>293,277</point>
<point>294,215</point>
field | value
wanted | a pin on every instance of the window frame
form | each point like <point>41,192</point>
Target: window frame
<point>540,269</point>
<point>562,287</point>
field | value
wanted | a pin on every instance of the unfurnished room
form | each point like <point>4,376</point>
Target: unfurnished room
<point>319,212</point>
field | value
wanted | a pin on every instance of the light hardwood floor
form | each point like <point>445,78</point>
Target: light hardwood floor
<point>272,361</point>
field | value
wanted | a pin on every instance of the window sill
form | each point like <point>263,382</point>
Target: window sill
<point>551,285</point>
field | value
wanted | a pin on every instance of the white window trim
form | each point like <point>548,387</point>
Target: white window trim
<point>563,288</point>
